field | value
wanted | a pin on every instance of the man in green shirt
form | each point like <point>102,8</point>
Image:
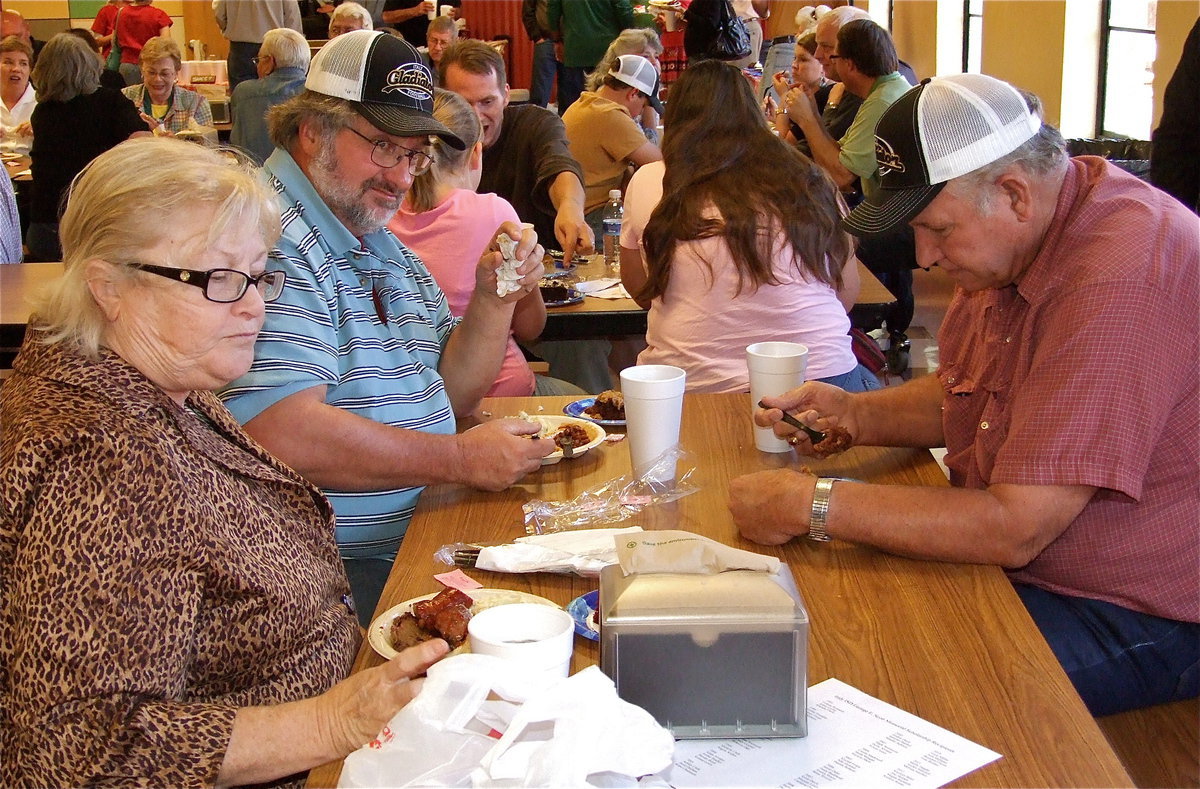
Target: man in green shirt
<point>587,28</point>
<point>867,65</point>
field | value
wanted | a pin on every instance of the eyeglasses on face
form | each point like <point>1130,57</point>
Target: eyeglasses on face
<point>387,154</point>
<point>259,59</point>
<point>222,285</point>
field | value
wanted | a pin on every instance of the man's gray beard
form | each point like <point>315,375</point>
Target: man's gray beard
<point>346,201</point>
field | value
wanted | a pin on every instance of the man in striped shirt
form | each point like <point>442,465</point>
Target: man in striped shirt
<point>360,368</point>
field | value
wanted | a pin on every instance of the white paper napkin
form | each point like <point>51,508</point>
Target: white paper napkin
<point>582,551</point>
<point>607,288</point>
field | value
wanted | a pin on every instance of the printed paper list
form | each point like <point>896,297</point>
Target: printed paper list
<point>853,740</point>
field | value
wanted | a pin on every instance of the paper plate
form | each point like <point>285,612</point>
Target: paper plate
<point>379,634</point>
<point>549,424</point>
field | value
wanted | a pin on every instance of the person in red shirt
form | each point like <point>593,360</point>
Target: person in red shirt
<point>139,22</point>
<point>1068,398</point>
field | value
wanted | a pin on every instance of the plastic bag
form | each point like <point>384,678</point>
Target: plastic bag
<point>483,721</point>
<point>617,499</point>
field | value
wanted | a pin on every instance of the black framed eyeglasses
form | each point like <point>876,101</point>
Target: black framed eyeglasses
<point>259,59</point>
<point>222,285</point>
<point>387,154</point>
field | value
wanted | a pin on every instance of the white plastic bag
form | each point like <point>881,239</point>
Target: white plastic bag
<point>483,721</point>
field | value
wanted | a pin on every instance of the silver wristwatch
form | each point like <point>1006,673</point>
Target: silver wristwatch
<point>820,508</point>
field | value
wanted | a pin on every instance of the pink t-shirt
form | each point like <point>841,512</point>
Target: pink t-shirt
<point>449,240</point>
<point>1084,373</point>
<point>701,326</point>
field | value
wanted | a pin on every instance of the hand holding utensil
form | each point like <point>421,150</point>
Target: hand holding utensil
<point>815,436</point>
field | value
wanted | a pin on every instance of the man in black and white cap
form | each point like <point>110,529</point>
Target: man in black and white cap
<point>603,135</point>
<point>1068,397</point>
<point>360,369</point>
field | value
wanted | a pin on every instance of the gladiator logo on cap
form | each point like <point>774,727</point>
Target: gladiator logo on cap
<point>412,80</point>
<point>888,159</point>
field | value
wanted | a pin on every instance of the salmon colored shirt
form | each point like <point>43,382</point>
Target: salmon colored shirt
<point>1085,373</point>
<point>449,239</point>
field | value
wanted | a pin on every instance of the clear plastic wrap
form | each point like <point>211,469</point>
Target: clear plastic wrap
<point>616,499</point>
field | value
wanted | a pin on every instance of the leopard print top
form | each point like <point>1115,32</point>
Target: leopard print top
<point>159,570</point>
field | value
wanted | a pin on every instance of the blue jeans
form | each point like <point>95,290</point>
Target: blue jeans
<point>1117,659</point>
<point>367,576</point>
<point>546,69</point>
<point>779,58</point>
<point>860,379</point>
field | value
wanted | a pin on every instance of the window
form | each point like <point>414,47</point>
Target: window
<point>972,48</point>
<point>1127,51</point>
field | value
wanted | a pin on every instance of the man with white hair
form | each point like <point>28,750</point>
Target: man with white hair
<point>1072,462</point>
<point>349,17</point>
<point>282,65</point>
<point>245,24</point>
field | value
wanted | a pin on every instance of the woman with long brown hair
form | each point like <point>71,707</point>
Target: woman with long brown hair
<point>735,239</point>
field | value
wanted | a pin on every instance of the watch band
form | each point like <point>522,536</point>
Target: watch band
<point>820,508</point>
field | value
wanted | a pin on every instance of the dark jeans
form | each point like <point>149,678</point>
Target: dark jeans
<point>240,62</point>
<point>892,258</point>
<point>367,576</point>
<point>546,69</point>
<point>570,85</point>
<point>1117,659</point>
<point>42,241</point>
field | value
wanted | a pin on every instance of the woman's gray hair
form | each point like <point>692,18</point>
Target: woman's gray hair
<point>66,67</point>
<point>123,202</point>
<point>288,48</point>
<point>353,11</point>
<point>329,114</point>
<point>159,47</point>
<point>1040,155</point>
<point>632,41</point>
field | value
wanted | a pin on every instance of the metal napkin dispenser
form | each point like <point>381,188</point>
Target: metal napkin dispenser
<point>721,655</point>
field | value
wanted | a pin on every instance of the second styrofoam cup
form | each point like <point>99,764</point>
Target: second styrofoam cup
<point>540,637</point>
<point>775,368</point>
<point>653,410</point>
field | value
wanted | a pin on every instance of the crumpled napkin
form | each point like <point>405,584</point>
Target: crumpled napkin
<point>507,279</point>
<point>583,552</point>
<point>607,288</point>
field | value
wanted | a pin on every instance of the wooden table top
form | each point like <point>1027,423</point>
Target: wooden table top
<point>18,169</point>
<point>950,643</point>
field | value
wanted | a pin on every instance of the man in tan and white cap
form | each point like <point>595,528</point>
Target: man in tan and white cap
<point>603,135</point>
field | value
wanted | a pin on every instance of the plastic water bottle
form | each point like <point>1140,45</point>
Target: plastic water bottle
<point>613,213</point>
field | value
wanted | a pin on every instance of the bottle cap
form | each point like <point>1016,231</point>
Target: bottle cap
<point>614,194</point>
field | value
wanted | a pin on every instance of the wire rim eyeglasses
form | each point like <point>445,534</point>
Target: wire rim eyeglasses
<point>388,154</point>
<point>222,285</point>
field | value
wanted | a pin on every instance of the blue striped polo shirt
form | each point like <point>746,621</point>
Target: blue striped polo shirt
<point>326,330</point>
